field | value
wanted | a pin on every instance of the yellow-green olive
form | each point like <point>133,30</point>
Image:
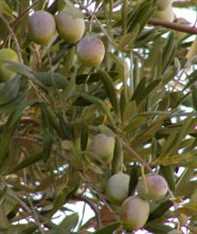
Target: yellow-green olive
<point>102,147</point>
<point>163,4</point>
<point>70,28</point>
<point>7,54</point>
<point>165,15</point>
<point>117,187</point>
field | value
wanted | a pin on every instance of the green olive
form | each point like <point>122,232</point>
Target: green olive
<point>7,54</point>
<point>165,15</point>
<point>163,4</point>
<point>41,27</point>
<point>69,27</point>
<point>117,187</point>
<point>102,147</point>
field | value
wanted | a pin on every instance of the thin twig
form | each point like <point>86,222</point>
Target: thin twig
<point>174,26</point>
<point>36,217</point>
<point>136,155</point>
<point>27,208</point>
<point>17,20</point>
<point>14,38</point>
<point>93,207</point>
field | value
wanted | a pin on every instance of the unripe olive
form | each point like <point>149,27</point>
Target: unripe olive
<point>102,147</point>
<point>71,28</point>
<point>7,54</point>
<point>163,4</point>
<point>153,187</point>
<point>91,51</point>
<point>41,27</point>
<point>165,15</point>
<point>117,187</point>
<point>134,213</point>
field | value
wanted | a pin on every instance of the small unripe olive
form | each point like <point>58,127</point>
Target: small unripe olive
<point>117,187</point>
<point>102,147</point>
<point>153,187</point>
<point>71,28</point>
<point>41,27</point>
<point>163,4</point>
<point>7,54</point>
<point>91,51</point>
<point>165,15</point>
<point>134,213</point>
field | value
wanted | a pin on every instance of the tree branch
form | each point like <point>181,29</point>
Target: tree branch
<point>92,206</point>
<point>174,26</point>
<point>26,11</point>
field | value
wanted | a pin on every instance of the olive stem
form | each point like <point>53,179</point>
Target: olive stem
<point>27,208</point>
<point>136,155</point>
<point>14,38</point>
<point>92,206</point>
<point>17,20</point>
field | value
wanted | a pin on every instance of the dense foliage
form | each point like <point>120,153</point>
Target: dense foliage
<point>70,118</point>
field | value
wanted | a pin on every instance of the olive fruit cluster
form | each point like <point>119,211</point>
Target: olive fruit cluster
<point>135,210</point>
<point>164,10</point>
<point>71,28</point>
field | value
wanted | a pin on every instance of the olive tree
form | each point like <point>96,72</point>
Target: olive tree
<point>98,103</point>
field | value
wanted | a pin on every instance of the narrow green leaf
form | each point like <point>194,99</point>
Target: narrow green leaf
<point>142,92</point>
<point>52,79</point>
<point>5,9</point>
<point>194,97</point>
<point>9,90</point>
<point>102,106</point>
<point>110,89</point>
<point>169,174</point>
<point>84,138</point>
<point>117,161</point>
<point>160,210</point>
<point>149,132</point>
<point>134,175</point>
<point>154,227</point>
<point>109,229</point>
<point>25,163</point>
<point>67,225</point>
<point>169,50</point>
